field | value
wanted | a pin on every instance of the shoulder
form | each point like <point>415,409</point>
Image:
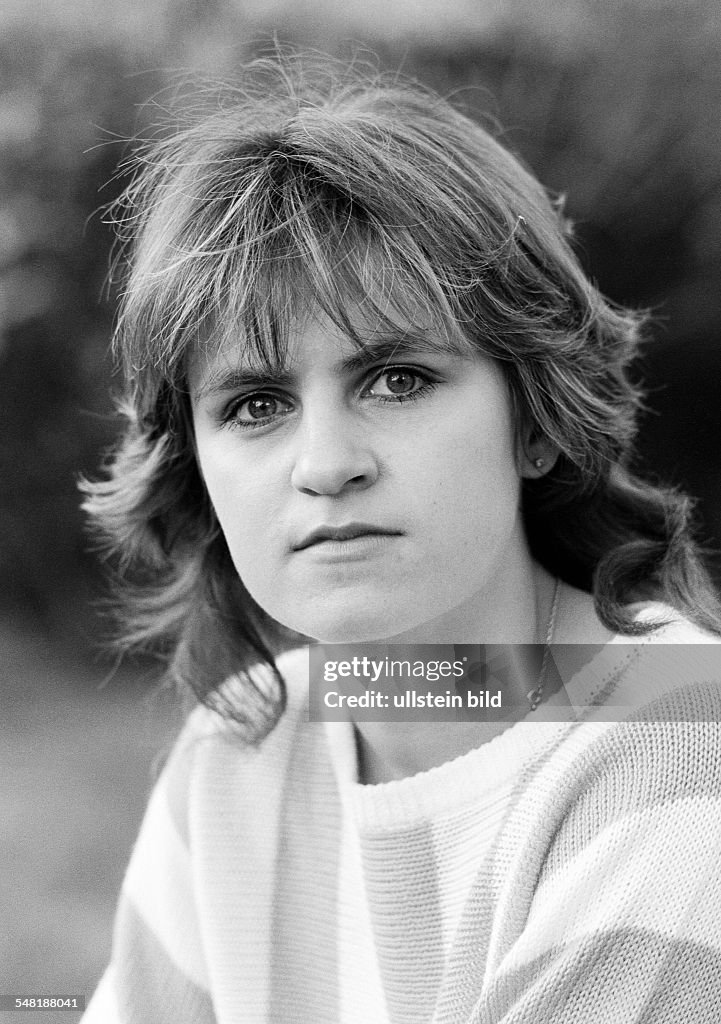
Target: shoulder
<point>650,734</point>
<point>609,793</point>
<point>647,723</point>
<point>213,764</point>
<point>618,817</point>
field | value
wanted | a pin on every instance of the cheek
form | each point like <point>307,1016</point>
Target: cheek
<point>240,496</point>
<point>246,519</point>
<point>473,496</point>
<point>246,514</point>
<point>478,466</point>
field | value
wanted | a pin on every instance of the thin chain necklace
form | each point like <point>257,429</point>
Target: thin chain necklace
<point>535,696</point>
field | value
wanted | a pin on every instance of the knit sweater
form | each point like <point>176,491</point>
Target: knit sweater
<point>560,873</point>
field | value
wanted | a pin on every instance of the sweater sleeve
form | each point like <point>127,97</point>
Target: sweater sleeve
<point>612,911</point>
<point>157,971</point>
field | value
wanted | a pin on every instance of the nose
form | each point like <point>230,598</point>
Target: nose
<point>333,453</point>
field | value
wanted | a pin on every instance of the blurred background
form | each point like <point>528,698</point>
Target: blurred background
<point>617,105</point>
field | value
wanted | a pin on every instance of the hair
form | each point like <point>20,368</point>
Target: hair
<point>344,191</point>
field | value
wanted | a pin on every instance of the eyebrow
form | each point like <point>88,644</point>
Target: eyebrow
<point>386,348</point>
<point>235,378</point>
<point>378,349</point>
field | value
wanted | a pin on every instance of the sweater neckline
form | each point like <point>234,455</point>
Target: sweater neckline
<point>491,767</point>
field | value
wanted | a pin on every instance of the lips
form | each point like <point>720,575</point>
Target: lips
<point>350,531</point>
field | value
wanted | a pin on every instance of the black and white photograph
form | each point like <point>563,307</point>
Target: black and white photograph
<point>360,515</point>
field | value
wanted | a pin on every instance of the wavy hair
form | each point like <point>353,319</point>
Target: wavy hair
<point>354,192</point>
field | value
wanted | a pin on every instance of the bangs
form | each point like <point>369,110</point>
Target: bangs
<point>243,247</point>
<point>319,256</point>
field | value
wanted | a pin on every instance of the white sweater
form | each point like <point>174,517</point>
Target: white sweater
<point>560,873</point>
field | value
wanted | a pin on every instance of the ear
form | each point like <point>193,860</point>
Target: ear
<point>536,455</point>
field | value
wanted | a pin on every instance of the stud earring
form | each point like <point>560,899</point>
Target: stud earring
<point>539,463</point>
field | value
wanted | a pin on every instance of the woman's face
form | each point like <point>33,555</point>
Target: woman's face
<point>363,495</point>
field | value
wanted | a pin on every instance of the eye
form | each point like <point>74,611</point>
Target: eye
<point>258,409</point>
<point>397,383</point>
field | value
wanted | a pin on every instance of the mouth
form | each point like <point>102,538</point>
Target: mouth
<point>332,535</point>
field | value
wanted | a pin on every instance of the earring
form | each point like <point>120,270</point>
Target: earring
<point>539,463</point>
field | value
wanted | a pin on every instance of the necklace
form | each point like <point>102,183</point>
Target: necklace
<point>535,696</point>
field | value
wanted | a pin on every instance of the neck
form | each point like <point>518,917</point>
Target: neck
<point>511,611</point>
<point>395,750</point>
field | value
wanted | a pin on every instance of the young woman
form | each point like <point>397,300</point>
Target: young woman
<point>372,397</point>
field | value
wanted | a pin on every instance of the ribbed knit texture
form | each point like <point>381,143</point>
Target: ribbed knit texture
<point>561,873</point>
